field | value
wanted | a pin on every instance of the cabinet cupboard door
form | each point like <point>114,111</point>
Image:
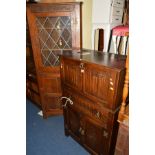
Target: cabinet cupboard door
<point>99,84</point>
<point>96,137</point>
<point>72,74</point>
<point>50,90</point>
<point>53,28</point>
<point>96,83</point>
<point>74,122</point>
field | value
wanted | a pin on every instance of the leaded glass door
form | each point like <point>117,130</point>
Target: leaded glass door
<point>54,35</point>
<point>53,28</point>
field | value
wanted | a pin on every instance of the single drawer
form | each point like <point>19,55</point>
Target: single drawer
<point>88,107</point>
<point>118,3</point>
<point>116,19</point>
<point>117,11</point>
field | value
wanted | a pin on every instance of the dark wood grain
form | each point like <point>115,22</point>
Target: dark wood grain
<point>109,60</point>
<point>46,22</point>
<point>93,81</point>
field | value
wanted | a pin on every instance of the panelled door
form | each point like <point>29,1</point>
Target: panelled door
<point>103,84</point>
<point>96,138</point>
<point>52,30</point>
<point>71,75</point>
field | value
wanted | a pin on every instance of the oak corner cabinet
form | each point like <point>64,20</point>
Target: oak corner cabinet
<point>92,84</point>
<point>32,91</point>
<point>54,27</point>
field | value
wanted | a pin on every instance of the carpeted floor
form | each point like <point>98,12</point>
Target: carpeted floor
<point>46,136</point>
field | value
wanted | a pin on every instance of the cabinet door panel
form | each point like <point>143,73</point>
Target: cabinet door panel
<point>50,89</point>
<point>72,116</point>
<point>50,84</point>
<point>100,84</point>
<point>96,82</point>
<point>74,121</point>
<point>72,74</point>
<point>96,137</point>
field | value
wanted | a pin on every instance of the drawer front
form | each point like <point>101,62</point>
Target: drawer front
<point>118,3</point>
<point>90,108</point>
<point>116,19</point>
<point>117,11</point>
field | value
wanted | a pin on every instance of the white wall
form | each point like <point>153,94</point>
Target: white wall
<point>101,11</point>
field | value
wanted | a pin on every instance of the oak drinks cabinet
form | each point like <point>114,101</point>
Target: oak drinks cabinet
<point>92,84</point>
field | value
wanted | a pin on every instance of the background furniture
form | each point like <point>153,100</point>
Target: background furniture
<point>122,145</point>
<point>106,14</point>
<point>54,28</point>
<point>32,91</point>
<point>120,39</point>
<point>92,84</point>
<point>99,40</point>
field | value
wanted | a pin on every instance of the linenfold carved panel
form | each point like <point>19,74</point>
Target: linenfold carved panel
<point>73,76</point>
<point>99,83</point>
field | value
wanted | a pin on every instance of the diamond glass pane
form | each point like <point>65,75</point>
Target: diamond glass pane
<point>54,36</point>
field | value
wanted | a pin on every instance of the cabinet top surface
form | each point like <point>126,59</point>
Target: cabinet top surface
<point>109,60</point>
<point>55,3</point>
